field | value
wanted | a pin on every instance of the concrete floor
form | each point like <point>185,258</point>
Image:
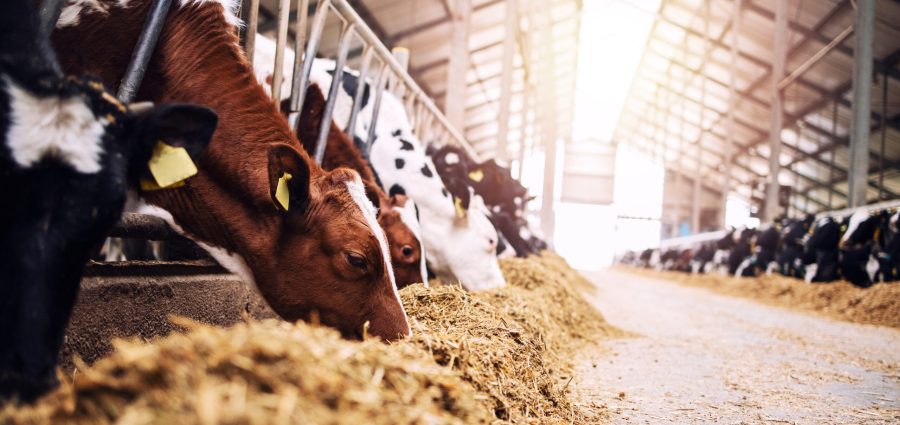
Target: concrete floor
<point>699,357</point>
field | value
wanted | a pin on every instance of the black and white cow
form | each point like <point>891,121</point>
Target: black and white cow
<point>739,254</point>
<point>68,154</point>
<point>504,196</point>
<point>858,265</point>
<point>790,251</point>
<point>888,255</point>
<point>820,256</point>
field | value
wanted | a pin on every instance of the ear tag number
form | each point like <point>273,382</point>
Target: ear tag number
<point>170,165</point>
<point>282,194</point>
<point>476,175</point>
<point>460,211</point>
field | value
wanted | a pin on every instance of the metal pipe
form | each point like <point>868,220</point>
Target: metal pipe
<point>365,33</point>
<point>283,13</point>
<point>299,48</point>
<point>343,49</point>
<point>50,10</point>
<point>143,50</point>
<point>814,59</point>
<point>834,126</point>
<point>885,82</point>
<point>376,107</point>
<point>360,90</point>
<point>312,46</point>
<point>732,105</point>
<point>252,24</point>
<point>858,171</point>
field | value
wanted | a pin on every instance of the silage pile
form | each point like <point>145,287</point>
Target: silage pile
<point>498,356</point>
<point>878,305</point>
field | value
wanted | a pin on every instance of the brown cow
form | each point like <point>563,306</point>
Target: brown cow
<point>396,215</point>
<point>324,255</point>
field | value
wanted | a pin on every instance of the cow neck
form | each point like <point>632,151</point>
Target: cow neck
<point>197,60</point>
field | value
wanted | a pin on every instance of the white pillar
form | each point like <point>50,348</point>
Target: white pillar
<point>777,110</point>
<point>455,97</point>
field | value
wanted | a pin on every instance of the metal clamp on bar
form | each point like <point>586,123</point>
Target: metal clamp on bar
<point>146,44</point>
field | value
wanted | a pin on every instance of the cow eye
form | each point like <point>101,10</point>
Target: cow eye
<point>356,260</point>
<point>407,251</point>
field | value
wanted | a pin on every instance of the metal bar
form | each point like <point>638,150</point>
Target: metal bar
<point>143,50</point>
<point>523,127</point>
<point>860,113</point>
<point>298,91</point>
<point>343,48</point>
<point>696,199</point>
<point>884,102</point>
<point>284,8</point>
<point>299,49</point>
<point>777,112</point>
<point>252,24</point>
<point>834,126</point>
<point>376,108</point>
<point>360,90</point>
<point>50,10</point>
<point>814,59</point>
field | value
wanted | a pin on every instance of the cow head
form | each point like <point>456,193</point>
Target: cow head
<point>330,261</point>
<point>71,152</point>
<point>396,215</point>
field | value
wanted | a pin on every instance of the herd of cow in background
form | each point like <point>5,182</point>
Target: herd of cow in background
<point>220,164</point>
<point>862,248</point>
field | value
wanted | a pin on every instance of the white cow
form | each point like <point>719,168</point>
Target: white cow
<point>461,248</point>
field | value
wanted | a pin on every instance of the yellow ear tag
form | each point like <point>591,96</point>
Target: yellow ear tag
<point>170,165</point>
<point>476,175</point>
<point>282,194</point>
<point>460,211</point>
<point>148,185</point>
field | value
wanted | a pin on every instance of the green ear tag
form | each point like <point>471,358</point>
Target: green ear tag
<point>170,165</point>
<point>282,194</point>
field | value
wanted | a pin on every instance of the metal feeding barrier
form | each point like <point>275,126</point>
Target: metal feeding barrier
<point>424,114</point>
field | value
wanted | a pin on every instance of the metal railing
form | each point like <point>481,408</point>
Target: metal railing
<point>424,114</point>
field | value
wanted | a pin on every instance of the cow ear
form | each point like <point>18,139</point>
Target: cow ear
<point>179,125</point>
<point>288,179</point>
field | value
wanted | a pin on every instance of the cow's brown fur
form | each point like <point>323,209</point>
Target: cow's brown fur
<point>299,259</point>
<point>340,152</point>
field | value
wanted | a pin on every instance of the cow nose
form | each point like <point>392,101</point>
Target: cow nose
<point>407,251</point>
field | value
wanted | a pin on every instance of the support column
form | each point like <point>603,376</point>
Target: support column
<point>506,78</point>
<point>732,106</point>
<point>864,34</point>
<point>777,111</point>
<point>454,100</point>
<point>548,124</point>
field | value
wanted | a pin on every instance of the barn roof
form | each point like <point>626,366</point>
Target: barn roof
<point>677,104</point>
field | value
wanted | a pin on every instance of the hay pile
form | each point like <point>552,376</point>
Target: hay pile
<point>490,357</point>
<point>877,305</point>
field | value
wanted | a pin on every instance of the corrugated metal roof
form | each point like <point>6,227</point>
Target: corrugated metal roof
<point>815,146</point>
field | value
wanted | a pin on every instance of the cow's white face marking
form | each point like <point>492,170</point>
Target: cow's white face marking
<point>451,158</point>
<point>62,128</point>
<point>71,13</point>
<point>855,220</point>
<point>358,193</point>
